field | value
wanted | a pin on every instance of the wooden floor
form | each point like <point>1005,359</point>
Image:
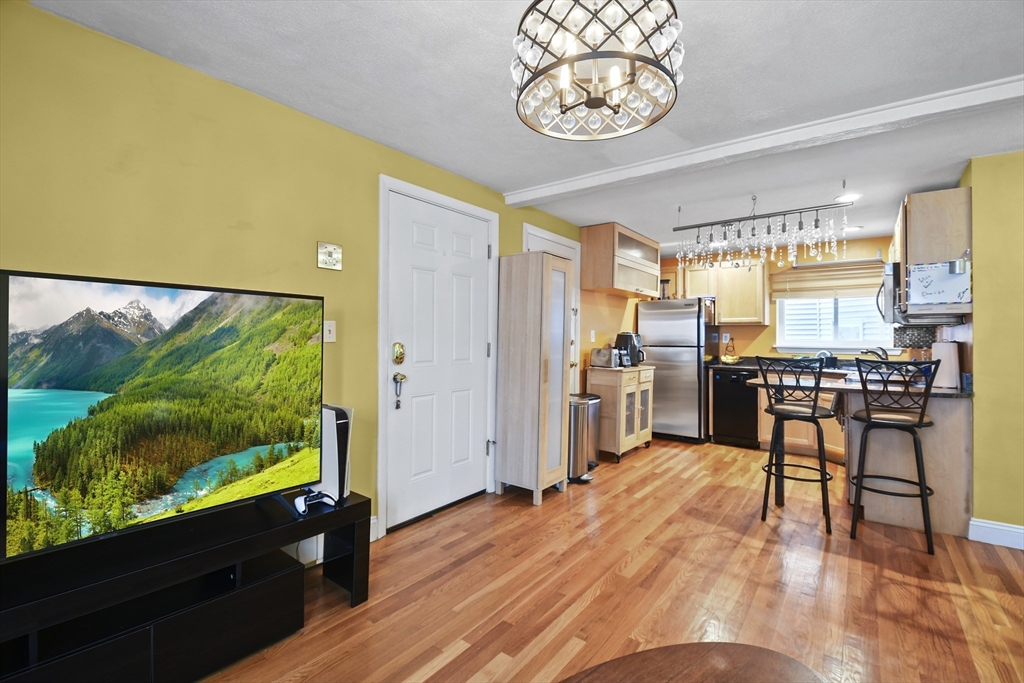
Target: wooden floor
<point>665,547</point>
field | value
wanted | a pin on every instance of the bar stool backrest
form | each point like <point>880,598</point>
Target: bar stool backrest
<point>791,381</point>
<point>901,386</point>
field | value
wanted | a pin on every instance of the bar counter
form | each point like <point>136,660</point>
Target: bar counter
<point>948,457</point>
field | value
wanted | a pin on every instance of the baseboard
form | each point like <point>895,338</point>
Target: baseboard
<point>996,533</point>
<point>373,529</point>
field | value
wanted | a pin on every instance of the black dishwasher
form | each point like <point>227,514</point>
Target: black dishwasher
<point>735,408</point>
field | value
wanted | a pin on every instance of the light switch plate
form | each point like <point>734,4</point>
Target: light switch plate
<point>328,256</point>
<point>714,337</point>
<point>726,337</point>
<point>330,331</point>
<point>593,336</point>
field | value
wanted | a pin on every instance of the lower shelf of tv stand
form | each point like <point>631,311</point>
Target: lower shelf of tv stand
<point>181,619</point>
<point>180,633</point>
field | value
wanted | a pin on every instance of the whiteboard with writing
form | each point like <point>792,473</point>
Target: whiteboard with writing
<point>932,283</point>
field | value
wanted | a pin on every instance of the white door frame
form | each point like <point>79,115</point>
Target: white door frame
<point>384,371</point>
<point>575,246</point>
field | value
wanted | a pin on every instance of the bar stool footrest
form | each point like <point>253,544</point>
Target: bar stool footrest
<point>865,487</point>
<point>791,477</point>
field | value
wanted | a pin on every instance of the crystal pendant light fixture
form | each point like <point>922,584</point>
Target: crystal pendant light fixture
<point>596,69</point>
<point>775,237</point>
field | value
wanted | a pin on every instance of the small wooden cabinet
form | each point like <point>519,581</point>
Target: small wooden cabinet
<point>534,298</point>
<point>741,293</point>
<point>616,260</point>
<point>627,416</point>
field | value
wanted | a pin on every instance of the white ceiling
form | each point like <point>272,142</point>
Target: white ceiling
<point>431,78</point>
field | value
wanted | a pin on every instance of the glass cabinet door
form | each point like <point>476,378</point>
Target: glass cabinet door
<point>645,407</point>
<point>630,412</point>
<point>556,354</point>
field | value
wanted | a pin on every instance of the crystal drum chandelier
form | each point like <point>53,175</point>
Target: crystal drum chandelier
<point>596,69</point>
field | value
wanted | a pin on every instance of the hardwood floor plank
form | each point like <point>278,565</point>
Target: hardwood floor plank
<point>665,547</point>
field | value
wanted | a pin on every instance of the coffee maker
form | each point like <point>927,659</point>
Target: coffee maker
<point>629,345</point>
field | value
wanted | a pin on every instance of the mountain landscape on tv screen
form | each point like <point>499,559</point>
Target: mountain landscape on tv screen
<point>225,399</point>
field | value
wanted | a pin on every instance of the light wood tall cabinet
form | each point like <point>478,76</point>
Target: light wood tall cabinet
<point>534,302</point>
<point>616,260</point>
<point>627,417</point>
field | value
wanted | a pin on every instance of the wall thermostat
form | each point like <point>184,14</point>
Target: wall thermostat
<point>328,256</point>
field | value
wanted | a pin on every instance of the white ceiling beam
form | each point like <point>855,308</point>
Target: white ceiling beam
<point>822,132</point>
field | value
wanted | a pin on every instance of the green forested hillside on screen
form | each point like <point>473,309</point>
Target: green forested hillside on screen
<point>237,371</point>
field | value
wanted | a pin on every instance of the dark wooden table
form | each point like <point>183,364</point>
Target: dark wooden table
<point>703,662</point>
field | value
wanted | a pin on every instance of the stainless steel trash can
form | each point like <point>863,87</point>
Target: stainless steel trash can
<point>584,414</point>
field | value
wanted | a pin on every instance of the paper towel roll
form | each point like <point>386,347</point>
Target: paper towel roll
<point>949,370</point>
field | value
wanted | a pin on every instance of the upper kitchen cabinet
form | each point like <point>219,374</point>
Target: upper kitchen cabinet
<point>741,293</point>
<point>616,260</point>
<point>933,227</point>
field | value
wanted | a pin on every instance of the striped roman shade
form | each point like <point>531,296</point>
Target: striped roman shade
<point>841,279</point>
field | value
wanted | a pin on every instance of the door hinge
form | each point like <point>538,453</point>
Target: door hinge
<point>488,349</point>
<point>489,442</point>
<point>488,251</point>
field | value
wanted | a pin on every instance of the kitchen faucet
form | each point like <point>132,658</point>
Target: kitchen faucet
<point>878,352</point>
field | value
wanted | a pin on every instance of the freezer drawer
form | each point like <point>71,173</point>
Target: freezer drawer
<point>679,391</point>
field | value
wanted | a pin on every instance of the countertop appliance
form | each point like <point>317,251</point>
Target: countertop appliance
<point>673,334</point>
<point>604,358</point>
<point>630,343</point>
<point>735,421</point>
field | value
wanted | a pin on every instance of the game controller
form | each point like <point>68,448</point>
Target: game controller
<point>302,502</point>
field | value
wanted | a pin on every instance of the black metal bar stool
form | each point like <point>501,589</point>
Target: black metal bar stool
<point>895,397</point>
<point>793,387</point>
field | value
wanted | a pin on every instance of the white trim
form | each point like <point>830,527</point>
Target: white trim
<point>996,533</point>
<point>373,529</point>
<point>388,185</point>
<point>857,348</point>
<point>821,132</point>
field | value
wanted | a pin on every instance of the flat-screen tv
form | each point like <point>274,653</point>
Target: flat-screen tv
<point>129,403</point>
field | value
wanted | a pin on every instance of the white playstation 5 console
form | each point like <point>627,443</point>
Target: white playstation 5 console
<point>335,470</point>
<point>336,436</point>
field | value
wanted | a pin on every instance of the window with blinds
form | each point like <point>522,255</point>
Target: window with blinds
<point>837,323</point>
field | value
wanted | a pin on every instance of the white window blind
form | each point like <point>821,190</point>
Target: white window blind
<point>842,279</point>
<point>834,323</point>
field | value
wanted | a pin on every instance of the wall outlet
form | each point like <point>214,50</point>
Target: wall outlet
<point>714,337</point>
<point>593,336</point>
<point>330,331</point>
<point>725,337</point>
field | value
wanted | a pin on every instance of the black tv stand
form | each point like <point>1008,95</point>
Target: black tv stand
<point>173,601</point>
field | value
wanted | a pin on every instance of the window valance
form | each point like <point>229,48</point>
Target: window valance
<point>831,280</point>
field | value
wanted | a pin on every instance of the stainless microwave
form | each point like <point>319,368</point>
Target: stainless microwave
<point>893,309</point>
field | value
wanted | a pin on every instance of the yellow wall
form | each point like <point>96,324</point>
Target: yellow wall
<point>997,199</point>
<point>117,162</point>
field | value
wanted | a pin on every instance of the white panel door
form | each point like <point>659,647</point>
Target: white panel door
<point>535,239</point>
<point>437,308</point>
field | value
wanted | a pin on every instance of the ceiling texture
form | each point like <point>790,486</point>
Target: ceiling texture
<point>784,100</point>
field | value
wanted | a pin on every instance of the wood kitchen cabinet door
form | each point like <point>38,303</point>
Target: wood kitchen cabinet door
<point>742,295</point>
<point>698,281</point>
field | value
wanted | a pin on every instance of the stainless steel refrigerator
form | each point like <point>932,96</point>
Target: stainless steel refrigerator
<point>672,333</point>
